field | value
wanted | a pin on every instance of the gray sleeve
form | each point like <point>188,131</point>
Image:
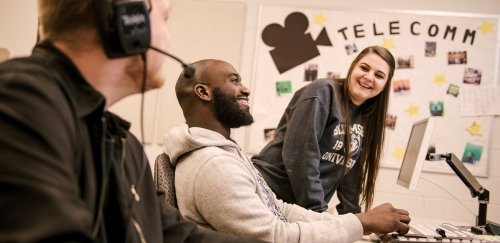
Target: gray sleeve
<point>301,152</point>
<point>348,193</point>
<point>232,204</point>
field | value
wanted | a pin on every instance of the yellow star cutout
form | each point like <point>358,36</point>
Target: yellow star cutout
<point>439,79</point>
<point>486,27</point>
<point>388,43</point>
<point>412,110</point>
<point>319,19</point>
<point>474,129</point>
<point>398,153</point>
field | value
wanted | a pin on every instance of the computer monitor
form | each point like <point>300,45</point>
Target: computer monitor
<point>416,150</point>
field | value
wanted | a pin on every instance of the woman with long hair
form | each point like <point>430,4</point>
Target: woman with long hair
<point>330,138</point>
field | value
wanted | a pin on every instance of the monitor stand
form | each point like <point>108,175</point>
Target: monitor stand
<point>475,188</point>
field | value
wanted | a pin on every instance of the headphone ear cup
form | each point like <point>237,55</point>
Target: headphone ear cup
<point>124,27</point>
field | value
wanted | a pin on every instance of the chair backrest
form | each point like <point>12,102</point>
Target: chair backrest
<point>165,178</point>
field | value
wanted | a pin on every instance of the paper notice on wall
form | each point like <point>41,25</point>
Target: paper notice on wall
<point>480,101</point>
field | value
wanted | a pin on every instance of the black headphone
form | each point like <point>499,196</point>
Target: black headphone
<point>124,27</point>
<point>125,30</point>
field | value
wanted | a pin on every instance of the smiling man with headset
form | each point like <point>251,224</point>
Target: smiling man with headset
<point>69,169</point>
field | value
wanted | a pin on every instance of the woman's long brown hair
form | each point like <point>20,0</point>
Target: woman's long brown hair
<point>374,111</point>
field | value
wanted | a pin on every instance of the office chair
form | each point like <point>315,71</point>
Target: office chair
<point>165,178</point>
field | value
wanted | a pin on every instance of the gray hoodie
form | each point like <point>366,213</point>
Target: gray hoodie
<point>217,187</point>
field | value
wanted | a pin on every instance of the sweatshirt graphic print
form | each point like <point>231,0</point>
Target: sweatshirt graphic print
<point>336,154</point>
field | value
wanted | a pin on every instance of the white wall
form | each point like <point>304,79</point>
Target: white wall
<point>228,30</point>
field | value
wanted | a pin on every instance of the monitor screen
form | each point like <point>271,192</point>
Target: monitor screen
<point>416,150</point>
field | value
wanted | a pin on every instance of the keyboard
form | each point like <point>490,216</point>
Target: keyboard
<point>440,233</point>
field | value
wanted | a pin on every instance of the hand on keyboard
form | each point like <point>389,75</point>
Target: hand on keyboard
<point>385,219</point>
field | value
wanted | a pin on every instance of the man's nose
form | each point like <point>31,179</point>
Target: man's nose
<point>245,90</point>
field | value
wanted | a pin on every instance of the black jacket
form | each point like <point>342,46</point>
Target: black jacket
<point>70,170</point>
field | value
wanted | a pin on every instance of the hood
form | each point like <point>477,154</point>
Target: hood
<point>183,139</point>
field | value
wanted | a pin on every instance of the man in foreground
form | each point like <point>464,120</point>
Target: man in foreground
<point>70,171</point>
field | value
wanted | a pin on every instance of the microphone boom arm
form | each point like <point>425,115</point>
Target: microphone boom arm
<point>469,180</point>
<point>188,70</point>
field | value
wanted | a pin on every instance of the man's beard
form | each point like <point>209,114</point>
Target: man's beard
<point>228,111</point>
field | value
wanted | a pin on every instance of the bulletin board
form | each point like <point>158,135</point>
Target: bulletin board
<point>438,57</point>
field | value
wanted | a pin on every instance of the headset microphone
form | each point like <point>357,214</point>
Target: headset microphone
<point>188,70</point>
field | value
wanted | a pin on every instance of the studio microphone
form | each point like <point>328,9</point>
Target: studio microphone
<point>188,70</point>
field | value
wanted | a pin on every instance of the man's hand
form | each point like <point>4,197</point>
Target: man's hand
<point>385,219</point>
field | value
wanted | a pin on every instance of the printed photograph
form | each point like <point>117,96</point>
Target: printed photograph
<point>390,121</point>
<point>472,76</point>
<point>311,72</point>
<point>453,90</point>
<point>405,62</point>
<point>351,49</point>
<point>436,108</point>
<point>332,75</point>
<point>283,87</point>
<point>457,57</point>
<point>401,86</point>
<point>430,49</point>
<point>472,153</point>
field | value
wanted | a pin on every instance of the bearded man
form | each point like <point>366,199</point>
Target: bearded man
<point>217,185</point>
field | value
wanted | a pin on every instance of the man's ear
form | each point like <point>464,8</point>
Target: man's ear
<point>202,91</point>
